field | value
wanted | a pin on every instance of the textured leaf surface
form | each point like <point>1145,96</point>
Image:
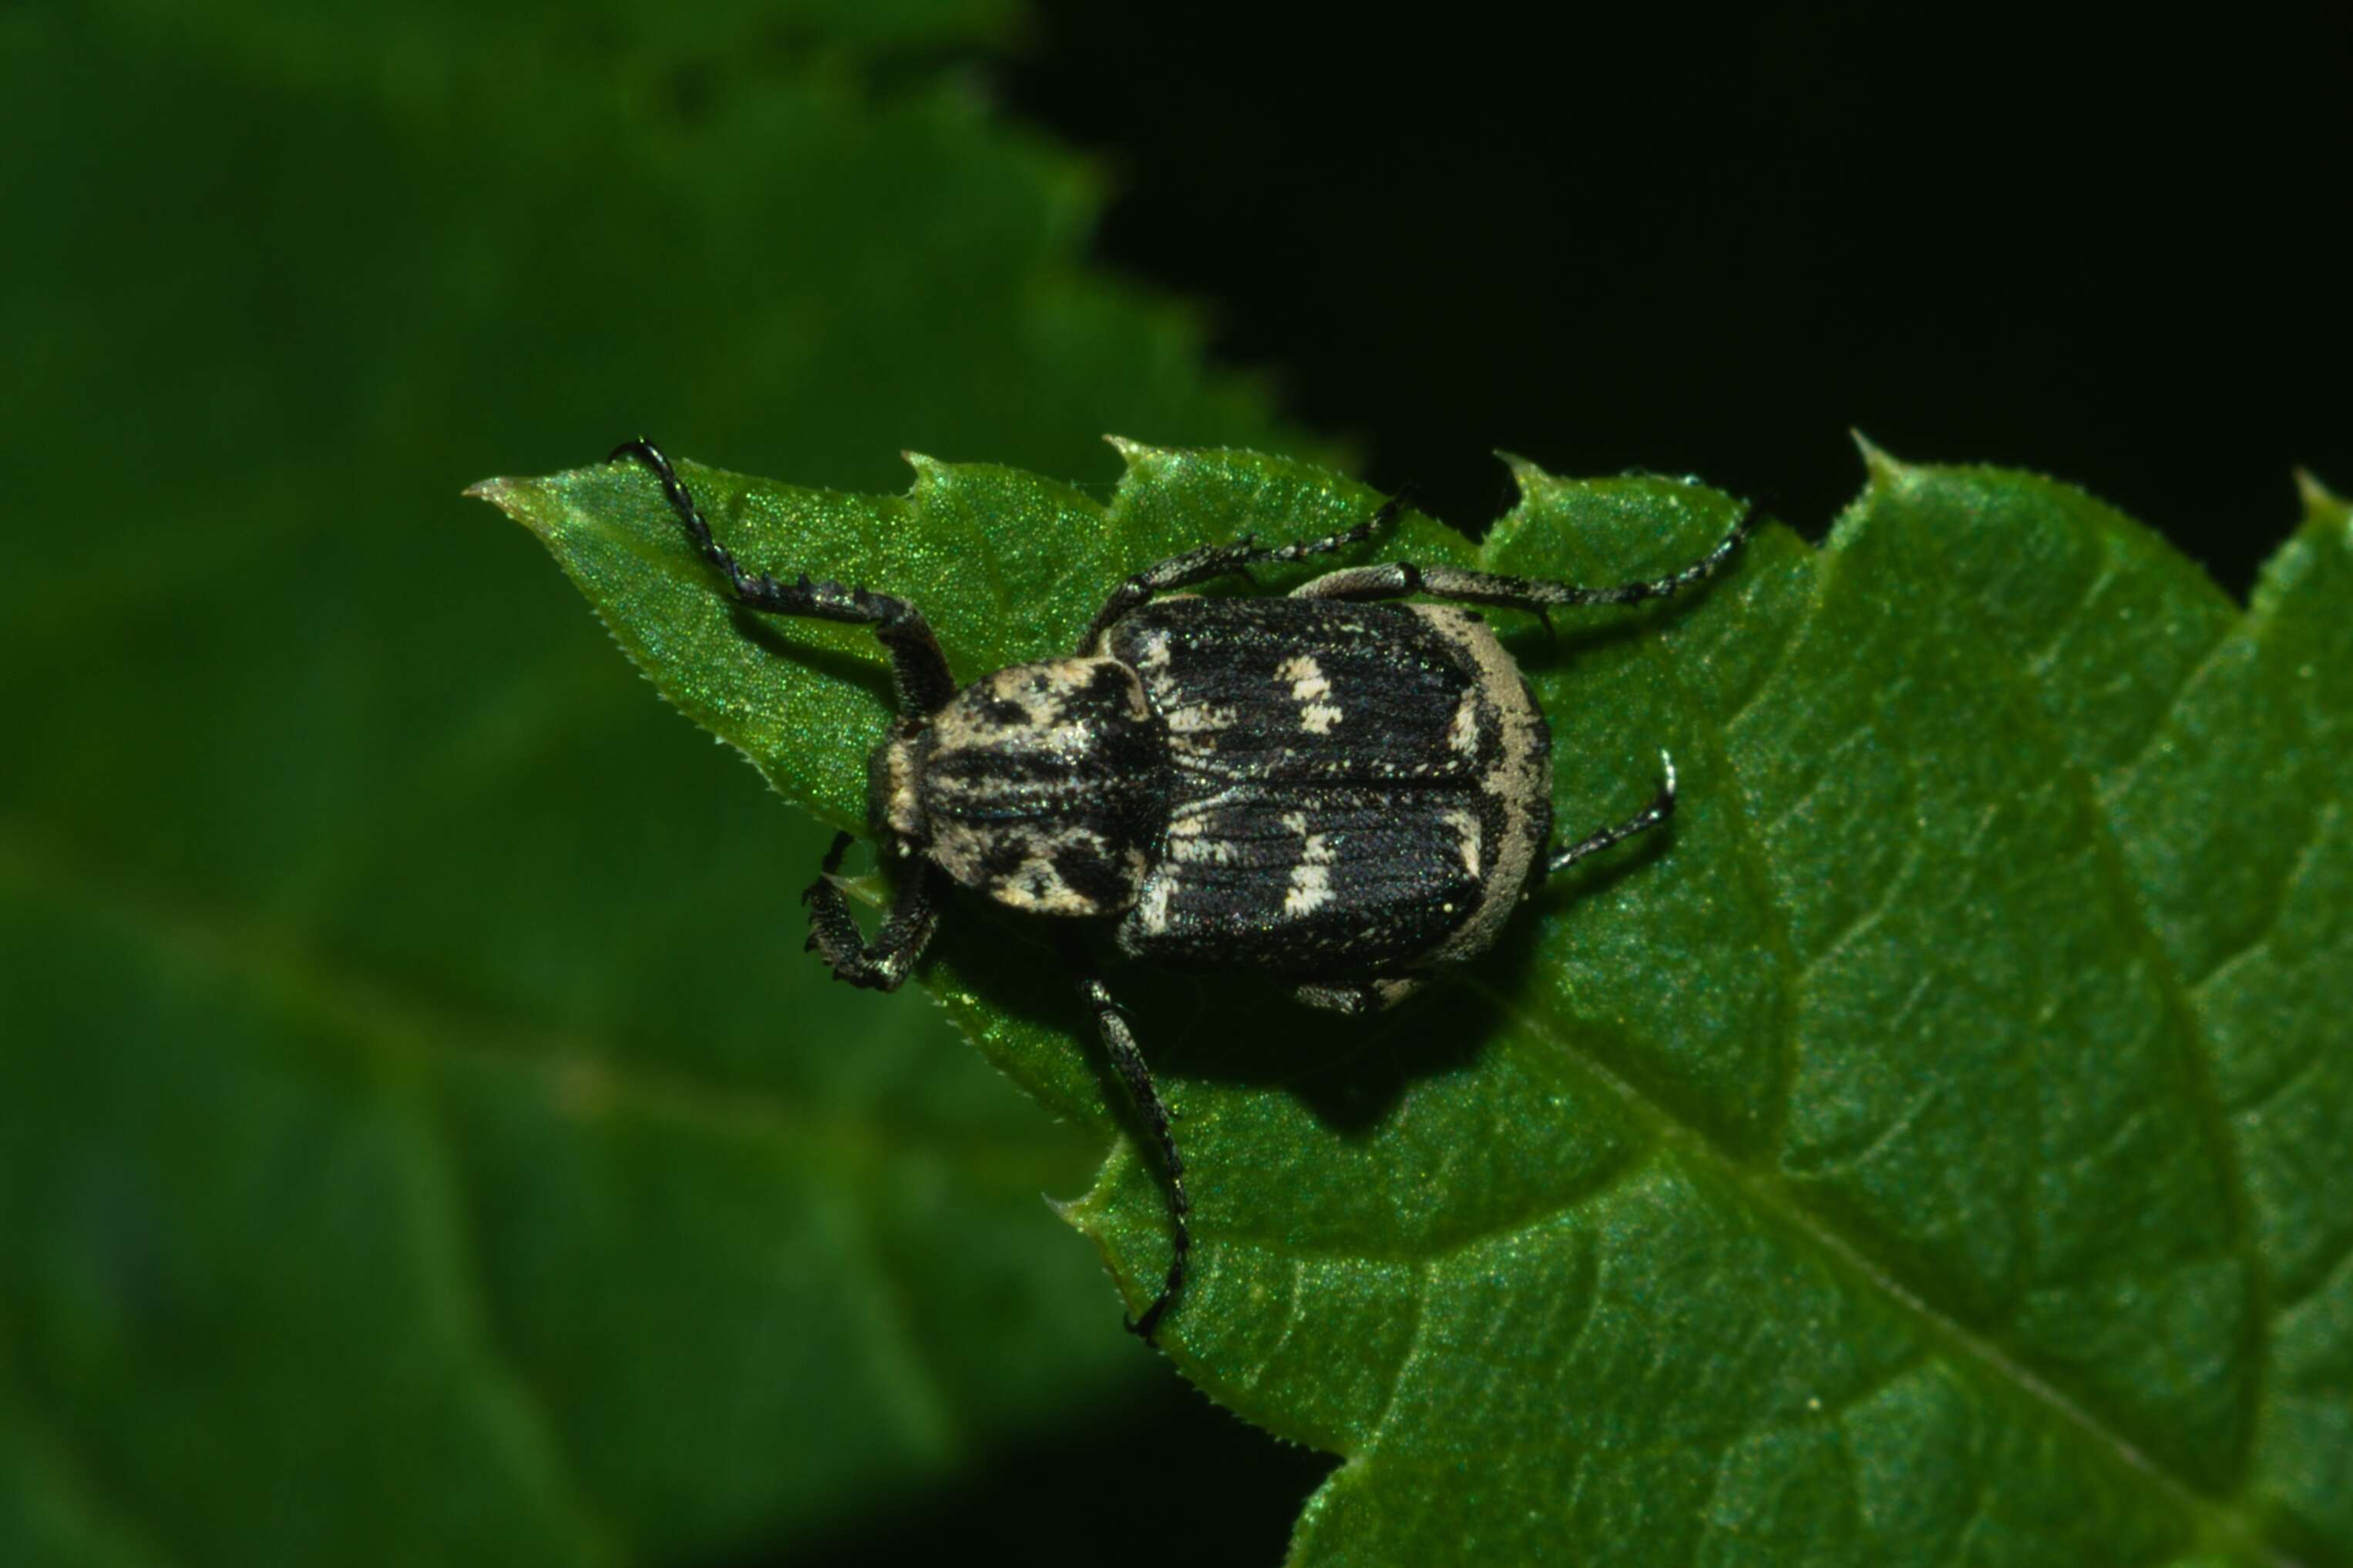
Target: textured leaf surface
<point>421,1136</point>
<point>1937,1150</point>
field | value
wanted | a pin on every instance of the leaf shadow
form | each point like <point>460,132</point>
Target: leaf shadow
<point>1349,1073</point>
<point>1547,646</point>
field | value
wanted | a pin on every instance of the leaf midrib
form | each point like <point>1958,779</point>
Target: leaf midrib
<point>2219,1516</point>
<point>92,1498</point>
<point>386,1014</point>
<point>2220,1521</point>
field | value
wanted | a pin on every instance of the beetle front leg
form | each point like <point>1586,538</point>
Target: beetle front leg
<point>1119,1044</point>
<point>884,963</point>
<point>919,670</point>
<point>1214,561</point>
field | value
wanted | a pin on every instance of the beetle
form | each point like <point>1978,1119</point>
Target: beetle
<point>1342,790</point>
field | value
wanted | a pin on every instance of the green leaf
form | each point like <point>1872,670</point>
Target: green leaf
<point>421,1136</point>
<point>1940,1146</point>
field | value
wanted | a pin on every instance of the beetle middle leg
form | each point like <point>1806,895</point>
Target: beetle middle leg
<point>1398,579</point>
<point>884,963</point>
<point>1119,1044</point>
<point>1213,560</point>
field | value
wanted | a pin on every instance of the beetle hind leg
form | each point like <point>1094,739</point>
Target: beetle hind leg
<point>1119,1044</point>
<point>884,963</point>
<point>1398,579</point>
<point>1355,999</point>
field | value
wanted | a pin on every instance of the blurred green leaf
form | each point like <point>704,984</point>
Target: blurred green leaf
<point>1941,1149</point>
<point>421,1136</point>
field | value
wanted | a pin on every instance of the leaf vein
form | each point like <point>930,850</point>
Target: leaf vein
<point>2193,1050</point>
<point>390,1016</point>
<point>461,1254</point>
<point>2323,1278</point>
<point>1294,1310</point>
<point>2324,818</point>
<point>1611,1180</point>
<point>1817,566</point>
<point>894,1337</point>
<point>2122,775</point>
<point>79,1475</point>
<point>1748,858</point>
<point>1769,1194</point>
<point>1423,1283</point>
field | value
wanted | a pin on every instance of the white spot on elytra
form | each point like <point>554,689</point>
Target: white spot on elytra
<point>1467,837</point>
<point>1311,889</point>
<point>1199,716</point>
<point>1192,850</point>
<point>1310,880</point>
<point>1317,717</point>
<point>1463,734</point>
<point>1306,677</point>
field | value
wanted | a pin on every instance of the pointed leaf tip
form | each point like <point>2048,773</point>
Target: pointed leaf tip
<point>1883,466</point>
<point>512,498</point>
<point>929,470</point>
<point>2319,499</point>
<point>1139,458</point>
<point>1526,472</point>
<point>1084,1212</point>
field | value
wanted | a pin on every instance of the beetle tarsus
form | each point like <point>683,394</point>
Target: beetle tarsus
<point>1662,808</point>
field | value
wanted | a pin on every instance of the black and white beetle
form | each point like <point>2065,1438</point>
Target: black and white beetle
<point>1346,794</point>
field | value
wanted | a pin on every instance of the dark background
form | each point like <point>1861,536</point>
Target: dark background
<point>1606,242</point>
<point>1717,246</point>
